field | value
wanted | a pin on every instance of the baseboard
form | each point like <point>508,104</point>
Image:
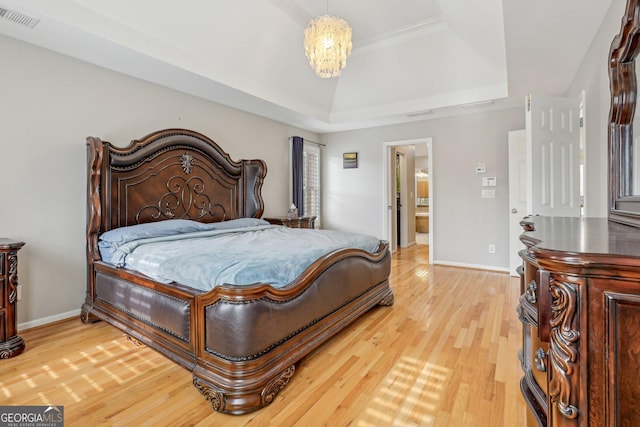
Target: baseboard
<point>473,266</point>
<point>47,320</point>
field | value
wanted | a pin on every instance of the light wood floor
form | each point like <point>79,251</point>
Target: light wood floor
<point>444,355</point>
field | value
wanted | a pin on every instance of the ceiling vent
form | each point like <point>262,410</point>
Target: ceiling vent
<point>18,18</point>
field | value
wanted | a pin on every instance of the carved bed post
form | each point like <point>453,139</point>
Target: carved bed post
<point>253,173</point>
<point>95,154</point>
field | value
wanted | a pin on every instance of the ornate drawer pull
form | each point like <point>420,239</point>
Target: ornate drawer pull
<point>530,293</point>
<point>539,360</point>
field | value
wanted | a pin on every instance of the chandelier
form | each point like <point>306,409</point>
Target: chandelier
<point>327,44</point>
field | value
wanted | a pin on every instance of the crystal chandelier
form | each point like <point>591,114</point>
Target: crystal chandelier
<point>327,44</point>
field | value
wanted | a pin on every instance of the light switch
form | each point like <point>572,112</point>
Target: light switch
<point>488,194</point>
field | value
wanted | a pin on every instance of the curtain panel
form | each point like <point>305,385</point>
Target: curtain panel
<point>297,152</point>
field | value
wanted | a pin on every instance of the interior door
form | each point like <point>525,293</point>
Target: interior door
<point>403,198</point>
<point>391,197</point>
<point>553,155</point>
<point>399,171</point>
<point>517,195</point>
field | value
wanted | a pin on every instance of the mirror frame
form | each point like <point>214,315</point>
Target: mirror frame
<point>622,77</point>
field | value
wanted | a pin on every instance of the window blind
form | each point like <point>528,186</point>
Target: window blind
<point>311,180</point>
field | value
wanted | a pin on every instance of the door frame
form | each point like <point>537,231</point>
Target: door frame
<point>389,198</point>
<point>582,101</point>
<point>517,143</point>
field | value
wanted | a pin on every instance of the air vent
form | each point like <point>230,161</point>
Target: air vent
<point>18,18</point>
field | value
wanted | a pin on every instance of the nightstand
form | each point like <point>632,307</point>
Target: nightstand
<point>10,343</point>
<point>299,222</point>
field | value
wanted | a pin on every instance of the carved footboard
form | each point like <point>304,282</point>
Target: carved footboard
<point>242,343</point>
<point>252,339</point>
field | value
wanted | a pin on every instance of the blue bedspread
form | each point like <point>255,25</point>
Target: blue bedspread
<point>256,254</point>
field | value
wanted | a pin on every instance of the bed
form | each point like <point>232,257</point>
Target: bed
<point>241,341</point>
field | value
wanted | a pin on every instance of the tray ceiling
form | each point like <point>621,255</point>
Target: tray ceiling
<point>411,59</point>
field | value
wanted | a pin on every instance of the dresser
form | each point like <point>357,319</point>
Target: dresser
<point>10,343</point>
<point>297,222</point>
<point>580,313</point>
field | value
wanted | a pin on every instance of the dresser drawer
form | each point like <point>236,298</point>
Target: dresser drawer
<point>529,284</point>
<point>528,301</point>
<point>3,329</point>
<point>534,351</point>
<point>539,360</point>
<point>2,285</point>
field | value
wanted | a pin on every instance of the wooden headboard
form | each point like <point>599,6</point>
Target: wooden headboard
<point>171,173</point>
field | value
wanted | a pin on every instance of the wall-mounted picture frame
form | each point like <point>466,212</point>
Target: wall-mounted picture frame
<point>349,160</point>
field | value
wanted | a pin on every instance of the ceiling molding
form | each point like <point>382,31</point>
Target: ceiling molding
<point>400,35</point>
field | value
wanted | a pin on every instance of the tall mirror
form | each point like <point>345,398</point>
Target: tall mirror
<point>624,126</point>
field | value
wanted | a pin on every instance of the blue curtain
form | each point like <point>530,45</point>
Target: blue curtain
<point>296,163</point>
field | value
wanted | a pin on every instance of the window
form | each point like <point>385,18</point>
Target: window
<point>311,179</point>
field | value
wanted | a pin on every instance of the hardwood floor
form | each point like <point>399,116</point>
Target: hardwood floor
<point>444,355</point>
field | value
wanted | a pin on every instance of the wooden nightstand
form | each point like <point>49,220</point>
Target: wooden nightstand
<point>299,222</point>
<point>10,343</point>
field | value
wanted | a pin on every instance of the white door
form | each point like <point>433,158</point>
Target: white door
<point>393,232</point>
<point>517,194</point>
<point>403,208</point>
<point>553,154</point>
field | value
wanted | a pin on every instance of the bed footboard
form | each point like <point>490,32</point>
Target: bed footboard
<point>250,343</point>
<point>158,316</point>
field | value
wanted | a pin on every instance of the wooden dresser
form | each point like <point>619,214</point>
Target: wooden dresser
<point>580,310</point>
<point>10,343</point>
<point>298,222</point>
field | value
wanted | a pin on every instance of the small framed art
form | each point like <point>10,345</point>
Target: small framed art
<point>349,160</point>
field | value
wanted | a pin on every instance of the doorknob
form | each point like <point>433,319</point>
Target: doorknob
<point>514,210</point>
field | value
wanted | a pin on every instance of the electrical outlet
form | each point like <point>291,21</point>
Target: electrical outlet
<point>492,249</point>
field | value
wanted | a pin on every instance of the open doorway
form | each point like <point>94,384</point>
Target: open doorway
<point>407,174</point>
<point>423,199</point>
<point>405,235</point>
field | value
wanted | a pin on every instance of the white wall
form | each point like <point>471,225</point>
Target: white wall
<point>464,223</point>
<point>49,105</point>
<point>593,77</point>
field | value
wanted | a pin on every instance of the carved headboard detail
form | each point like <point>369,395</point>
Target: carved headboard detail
<point>185,175</point>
